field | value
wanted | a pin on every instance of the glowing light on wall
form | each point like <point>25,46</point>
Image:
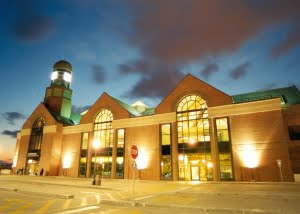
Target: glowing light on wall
<point>67,161</point>
<point>15,160</point>
<point>249,156</point>
<point>143,159</point>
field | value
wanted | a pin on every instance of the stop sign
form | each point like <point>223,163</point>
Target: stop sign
<point>134,151</point>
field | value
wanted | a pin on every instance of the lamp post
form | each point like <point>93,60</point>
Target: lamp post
<point>96,144</point>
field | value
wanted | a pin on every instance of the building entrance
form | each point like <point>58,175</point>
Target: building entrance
<point>195,173</point>
<point>32,167</point>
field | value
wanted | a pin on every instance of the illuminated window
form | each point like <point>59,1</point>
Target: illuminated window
<point>54,75</point>
<point>120,153</point>
<point>224,149</point>
<point>193,139</point>
<point>36,135</point>
<point>34,147</point>
<point>67,77</point>
<point>192,120</point>
<point>166,161</point>
<point>83,154</point>
<point>103,132</point>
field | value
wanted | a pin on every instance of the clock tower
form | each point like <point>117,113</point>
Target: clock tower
<point>58,97</point>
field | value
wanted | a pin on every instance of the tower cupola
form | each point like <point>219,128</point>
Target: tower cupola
<point>58,97</point>
<point>61,74</point>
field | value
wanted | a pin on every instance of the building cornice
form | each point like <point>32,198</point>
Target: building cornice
<point>145,121</point>
<point>245,108</point>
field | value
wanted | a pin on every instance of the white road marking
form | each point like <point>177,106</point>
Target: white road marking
<point>83,202</point>
<point>79,210</point>
<point>98,198</point>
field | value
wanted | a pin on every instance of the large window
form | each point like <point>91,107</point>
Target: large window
<point>36,135</point>
<point>103,133</point>
<point>83,154</point>
<point>166,160</point>
<point>193,139</point>
<point>120,153</point>
<point>34,147</point>
<point>224,148</point>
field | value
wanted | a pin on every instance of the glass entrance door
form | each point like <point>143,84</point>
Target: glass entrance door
<point>195,173</point>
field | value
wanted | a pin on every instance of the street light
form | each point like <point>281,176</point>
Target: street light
<point>96,145</point>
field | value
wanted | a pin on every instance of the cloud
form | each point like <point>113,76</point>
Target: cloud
<point>141,66</point>
<point>239,71</point>
<point>209,70</point>
<point>291,41</point>
<point>12,134</point>
<point>99,74</point>
<point>269,87</point>
<point>80,109</point>
<point>12,117</point>
<point>32,27</point>
<point>157,83</point>
<point>30,23</point>
<point>179,32</point>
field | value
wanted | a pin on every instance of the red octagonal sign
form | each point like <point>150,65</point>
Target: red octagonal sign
<point>134,151</point>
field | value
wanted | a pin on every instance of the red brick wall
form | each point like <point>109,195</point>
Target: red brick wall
<point>146,138</point>
<point>104,102</point>
<point>192,85</point>
<point>266,132</point>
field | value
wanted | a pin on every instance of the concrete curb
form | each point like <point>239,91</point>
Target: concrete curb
<point>210,210</point>
<point>38,193</point>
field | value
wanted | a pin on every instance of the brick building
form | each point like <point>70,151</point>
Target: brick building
<point>197,132</point>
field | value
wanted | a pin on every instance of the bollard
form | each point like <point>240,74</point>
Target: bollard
<point>98,180</point>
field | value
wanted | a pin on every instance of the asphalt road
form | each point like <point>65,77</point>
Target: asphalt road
<point>64,195</point>
<point>18,203</point>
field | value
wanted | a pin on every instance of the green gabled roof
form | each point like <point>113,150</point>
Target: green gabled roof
<point>289,96</point>
<point>128,108</point>
<point>63,120</point>
<point>133,112</point>
<point>149,111</point>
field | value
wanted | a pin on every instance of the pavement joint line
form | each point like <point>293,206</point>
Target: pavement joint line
<point>201,209</point>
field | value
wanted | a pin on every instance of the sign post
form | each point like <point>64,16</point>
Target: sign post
<point>134,152</point>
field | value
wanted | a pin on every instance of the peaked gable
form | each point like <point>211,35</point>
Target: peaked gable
<point>105,102</point>
<point>192,85</point>
<point>40,111</point>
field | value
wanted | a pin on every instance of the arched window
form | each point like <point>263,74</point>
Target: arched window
<point>103,128</point>
<point>192,120</point>
<point>36,135</point>
<point>193,139</point>
<point>103,133</point>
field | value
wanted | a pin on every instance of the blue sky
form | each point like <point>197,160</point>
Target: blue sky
<point>139,50</point>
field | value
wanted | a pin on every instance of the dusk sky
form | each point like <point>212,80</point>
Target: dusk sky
<point>140,49</point>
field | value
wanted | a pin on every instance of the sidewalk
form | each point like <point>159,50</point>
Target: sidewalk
<point>208,197</point>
